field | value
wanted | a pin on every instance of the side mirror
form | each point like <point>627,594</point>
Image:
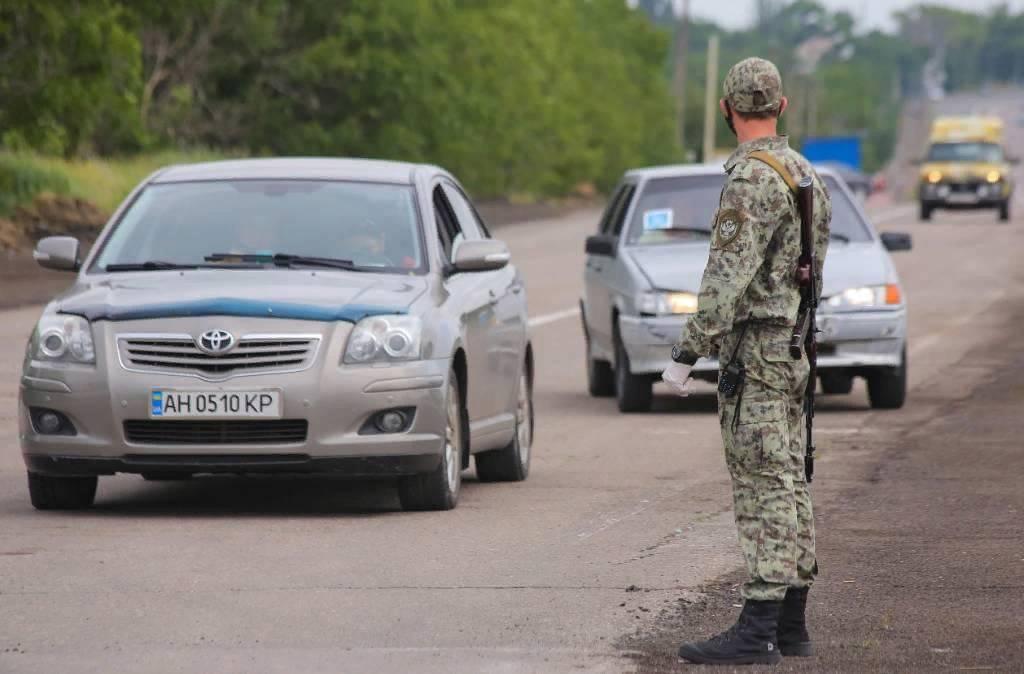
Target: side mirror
<point>601,244</point>
<point>896,241</point>
<point>483,255</point>
<point>1013,160</point>
<point>58,252</point>
<point>917,162</point>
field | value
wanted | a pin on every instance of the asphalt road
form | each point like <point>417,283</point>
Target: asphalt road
<point>622,514</point>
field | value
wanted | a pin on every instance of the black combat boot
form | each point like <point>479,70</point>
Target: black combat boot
<point>792,635</point>
<point>751,641</point>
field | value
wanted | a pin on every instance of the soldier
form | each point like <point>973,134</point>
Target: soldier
<point>747,307</point>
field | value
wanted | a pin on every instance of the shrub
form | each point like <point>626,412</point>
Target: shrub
<point>21,180</point>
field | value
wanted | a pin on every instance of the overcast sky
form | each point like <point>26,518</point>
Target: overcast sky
<point>869,13</point>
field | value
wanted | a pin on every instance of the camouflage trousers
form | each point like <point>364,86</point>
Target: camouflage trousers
<point>763,434</point>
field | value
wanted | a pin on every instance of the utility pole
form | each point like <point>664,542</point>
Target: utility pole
<point>711,99</point>
<point>679,75</point>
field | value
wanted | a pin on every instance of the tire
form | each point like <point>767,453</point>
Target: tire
<point>836,384</point>
<point>61,493</point>
<point>600,376</point>
<point>633,392</point>
<point>887,387</point>
<point>512,463</point>
<point>1004,211</point>
<point>926,212</point>
<point>439,489</point>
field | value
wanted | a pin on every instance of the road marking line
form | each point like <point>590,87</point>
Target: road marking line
<point>544,319</point>
<point>933,338</point>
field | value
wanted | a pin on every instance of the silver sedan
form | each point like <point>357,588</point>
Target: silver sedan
<point>644,267</point>
<point>282,316</point>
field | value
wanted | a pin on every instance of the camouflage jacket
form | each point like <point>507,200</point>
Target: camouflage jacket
<point>755,244</point>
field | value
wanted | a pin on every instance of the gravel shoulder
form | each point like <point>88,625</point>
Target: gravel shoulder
<point>919,528</point>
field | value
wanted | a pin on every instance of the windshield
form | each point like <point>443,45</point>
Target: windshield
<point>672,210</point>
<point>370,226</point>
<point>986,152</point>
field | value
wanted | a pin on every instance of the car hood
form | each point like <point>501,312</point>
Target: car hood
<point>287,294</point>
<point>681,266</point>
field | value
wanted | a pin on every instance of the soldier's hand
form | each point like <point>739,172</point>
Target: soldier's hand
<point>677,376</point>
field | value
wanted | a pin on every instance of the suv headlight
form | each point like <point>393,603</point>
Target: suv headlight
<point>384,338</point>
<point>63,338</point>
<point>666,303</point>
<point>866,297</point>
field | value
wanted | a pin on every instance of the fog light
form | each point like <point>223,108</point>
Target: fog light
<point>392,421</point>
<point>51,422</point>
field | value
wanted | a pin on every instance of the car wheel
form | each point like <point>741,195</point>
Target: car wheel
<point>512,463</point>
<point>600,376</point>
<point>887,388</point>
<point>632,391</point>
<point>926,212</point>
<point>61,493</point>
<point>439,489</point>
<point>1004,211</point>
<point>836,384</point>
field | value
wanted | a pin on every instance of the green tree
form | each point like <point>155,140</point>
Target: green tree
<point>67,67</point>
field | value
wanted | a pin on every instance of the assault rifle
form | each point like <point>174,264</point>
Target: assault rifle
<point>804,338</point>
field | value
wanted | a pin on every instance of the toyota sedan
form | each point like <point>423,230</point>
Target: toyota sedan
<point>644,268</point>
<point>335,316</point>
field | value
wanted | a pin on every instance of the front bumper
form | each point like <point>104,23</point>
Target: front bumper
<point>335,401</point>
<point>964,195</point>
<point>851,340</point>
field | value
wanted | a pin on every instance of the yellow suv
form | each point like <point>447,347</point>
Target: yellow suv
<point>965,167</point>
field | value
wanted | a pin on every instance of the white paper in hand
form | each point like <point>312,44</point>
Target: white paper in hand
<point>677,376</point>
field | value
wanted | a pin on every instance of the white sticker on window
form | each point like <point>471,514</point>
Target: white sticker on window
<point>658,219</point>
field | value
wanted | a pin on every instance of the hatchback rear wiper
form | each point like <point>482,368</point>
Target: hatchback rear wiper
<point>839,237</point>
<point>148,265</point>
<point>283,260</point>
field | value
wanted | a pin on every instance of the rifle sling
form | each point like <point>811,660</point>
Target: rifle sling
<point>780,168</point>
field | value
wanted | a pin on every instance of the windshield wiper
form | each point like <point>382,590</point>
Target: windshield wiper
<point>692,230</point>
<point>283,260</point>
<point>148,265</point>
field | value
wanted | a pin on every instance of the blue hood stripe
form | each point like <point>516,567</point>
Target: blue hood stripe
<point>350,313</point>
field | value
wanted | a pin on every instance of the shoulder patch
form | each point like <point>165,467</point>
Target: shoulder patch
<point>728,224</point>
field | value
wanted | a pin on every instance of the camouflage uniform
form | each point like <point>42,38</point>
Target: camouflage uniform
<point>750,279</point>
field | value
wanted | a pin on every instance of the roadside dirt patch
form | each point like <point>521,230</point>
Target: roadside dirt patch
<point>920,546</point>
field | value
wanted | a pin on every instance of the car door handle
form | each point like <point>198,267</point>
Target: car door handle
<point>493,295</point>
<point>516,288</point>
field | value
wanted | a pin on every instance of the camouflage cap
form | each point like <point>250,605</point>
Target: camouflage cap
<point>753,85</point>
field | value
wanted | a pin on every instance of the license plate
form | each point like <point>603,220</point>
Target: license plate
<point>175,404</point>
<point>962,198</point>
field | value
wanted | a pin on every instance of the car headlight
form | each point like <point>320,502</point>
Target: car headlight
<point>666,303</point>
<point>934,176</point>
<point>993,176</point>
<point>384,338</point>
<point>866,297</point>
<point>63,338</point>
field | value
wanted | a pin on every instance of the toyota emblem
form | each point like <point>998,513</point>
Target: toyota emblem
<point>215,342</point>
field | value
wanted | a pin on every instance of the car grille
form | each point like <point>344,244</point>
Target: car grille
<point>254,354</point>
<point>207,432</point>
<point>964,187</point>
